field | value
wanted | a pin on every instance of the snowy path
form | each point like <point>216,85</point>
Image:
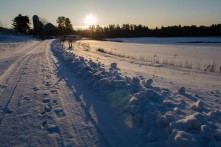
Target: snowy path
<point>51,96</point>
<point>42,104</point>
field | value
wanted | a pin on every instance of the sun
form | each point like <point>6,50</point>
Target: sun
<point>90,20</point>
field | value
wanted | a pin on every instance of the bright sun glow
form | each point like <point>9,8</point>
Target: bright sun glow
<point>90,20</point>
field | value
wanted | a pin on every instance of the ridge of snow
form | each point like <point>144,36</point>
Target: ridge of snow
<point>158,113</point>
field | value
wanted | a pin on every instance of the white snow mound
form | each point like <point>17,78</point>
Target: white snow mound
<point>153,109</point>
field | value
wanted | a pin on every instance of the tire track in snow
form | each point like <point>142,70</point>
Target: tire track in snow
<point>18,73</point>
<point>4,77</point>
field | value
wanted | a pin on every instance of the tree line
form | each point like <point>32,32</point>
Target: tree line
<point>65,27</point>
<point>131,30</point>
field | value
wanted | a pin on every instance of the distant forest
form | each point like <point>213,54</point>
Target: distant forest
<point>130,30</point>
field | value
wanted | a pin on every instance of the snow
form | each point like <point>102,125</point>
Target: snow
<point>190,55</point>
<point>171,40</point>
<point>182,90</point>
<point>183,118</point>
<point>48,106</point>
<point>84,97</point>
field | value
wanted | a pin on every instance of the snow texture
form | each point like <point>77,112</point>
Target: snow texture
<point>158,113</point>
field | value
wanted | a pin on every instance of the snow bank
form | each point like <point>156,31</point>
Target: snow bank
<point>162,119</point>
<point>198,106</point>
<point>182,90</point>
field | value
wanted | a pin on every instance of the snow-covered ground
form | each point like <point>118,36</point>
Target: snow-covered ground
<point>214,41</point>
<point>51,96</point>
<point>43,103</point>
<point>191,55</point>
<point>173,101</point>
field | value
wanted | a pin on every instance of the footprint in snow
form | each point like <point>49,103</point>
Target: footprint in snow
<point>44,95</point>
<point>46,100</point>
<point>47,84</point>
<point>59,112</point>
<point>35,88</point>
<point>2,87</point>
<point>55,101</point>
<point>44,124</point>
<point>54,91</point>
<point>216,95</point>
<point>47,108</point>
<point>26,98</point>
<point>48,76</point>
<point>52,129</point>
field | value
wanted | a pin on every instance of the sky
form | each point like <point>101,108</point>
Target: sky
<point>151,13</point>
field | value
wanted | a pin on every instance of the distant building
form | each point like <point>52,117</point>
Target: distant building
<point>50,29</point>
<point>36,24</point>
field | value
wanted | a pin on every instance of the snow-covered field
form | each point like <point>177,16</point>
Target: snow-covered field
<point>214,41</point>
<point>166,51</point>
<point>54,96</point>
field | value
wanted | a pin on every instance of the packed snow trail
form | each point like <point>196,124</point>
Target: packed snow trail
<point>42,104</point>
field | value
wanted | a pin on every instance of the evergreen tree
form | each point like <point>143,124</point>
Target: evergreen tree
<point>68,24</point>
<point>61,22</point>
<point>21,23</point>
<point>64,25</point>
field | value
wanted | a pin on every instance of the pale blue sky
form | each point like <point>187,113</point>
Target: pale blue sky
<point>147,12</point>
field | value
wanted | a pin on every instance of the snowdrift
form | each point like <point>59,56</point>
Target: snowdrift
<point>162,116</point>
